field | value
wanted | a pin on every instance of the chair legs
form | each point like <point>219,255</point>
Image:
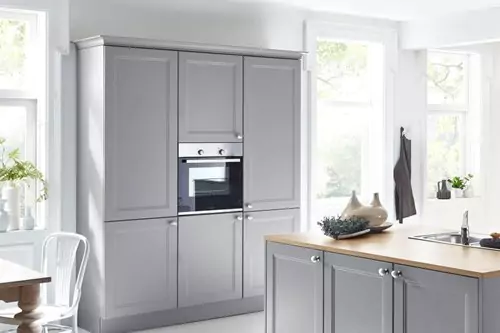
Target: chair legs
<point>75,322</point>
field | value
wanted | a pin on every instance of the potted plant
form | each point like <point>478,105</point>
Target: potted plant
<point>460,184</point>
<point>15,172</point>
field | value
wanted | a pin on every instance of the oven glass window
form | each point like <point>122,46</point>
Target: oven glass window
<point>208,184</point>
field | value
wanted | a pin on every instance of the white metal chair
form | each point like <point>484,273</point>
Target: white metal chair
<point>58,299</point>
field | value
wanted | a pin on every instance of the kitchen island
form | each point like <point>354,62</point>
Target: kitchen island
<point>384,283</point>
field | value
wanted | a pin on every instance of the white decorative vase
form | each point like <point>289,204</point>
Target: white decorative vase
<point>10,194</point>
<point>28,220</point>
<point>375,214</point>
<point>469,192</point>
<point>4,217</point>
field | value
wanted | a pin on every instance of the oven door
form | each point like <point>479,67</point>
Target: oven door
<point>209,185</point>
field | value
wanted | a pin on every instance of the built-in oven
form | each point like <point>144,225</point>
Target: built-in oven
<point>210,178</point>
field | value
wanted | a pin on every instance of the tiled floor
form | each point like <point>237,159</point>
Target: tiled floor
<point>251,323</point>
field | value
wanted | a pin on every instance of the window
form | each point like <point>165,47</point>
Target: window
<point>22,85</point>
<point>453,109</point>
<point>348,125</point>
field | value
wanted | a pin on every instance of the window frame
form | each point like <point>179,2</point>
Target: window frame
<point>387,36</point>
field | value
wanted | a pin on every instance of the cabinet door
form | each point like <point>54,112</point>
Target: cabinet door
<point>141,266</point>
<point>434,302</point>
<point>358,295</point>
<point>294,289</point>
<point>210,97</point>
<point>272,134</point>
<point>140,133</point>
<point>255,227</point>
<point>210,258</point>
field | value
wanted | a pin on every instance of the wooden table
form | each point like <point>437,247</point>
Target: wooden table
<point>22,285</point>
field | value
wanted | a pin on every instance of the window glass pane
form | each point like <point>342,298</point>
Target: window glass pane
<point>343,71</point>
<point>13,125</point>
<point>13,50</point>
<point>444,149</point>
<point>446,78</point>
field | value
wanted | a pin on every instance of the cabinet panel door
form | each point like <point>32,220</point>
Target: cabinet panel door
<point>210,258</point>
<point>272,133</point>
<point>434,302</point>
<point>141,133</point>
<point>255,227</point>
<point>357,297</point>
<point>294,289</point>
<point>141,266</point>
<point>210,97</point>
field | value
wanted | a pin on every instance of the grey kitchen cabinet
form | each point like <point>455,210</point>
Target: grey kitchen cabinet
<point>210,97</point>
<point>141,266</point>
<point>210,258</point>
<point>358,295</point>
<point>255,227</point>
<point>272,106</point>
<point>434,302</point>
<point>294,295</point>
<point>140,98</point>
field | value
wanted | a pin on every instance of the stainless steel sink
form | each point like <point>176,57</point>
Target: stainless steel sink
<point>453,238</point>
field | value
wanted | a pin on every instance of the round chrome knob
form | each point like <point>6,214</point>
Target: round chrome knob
<point>315,259</point>
<point>249,206</point>
<point>222,152</point>
<point>173,223</point>
<point>239,136</point>
<point>239,218</point>
<point>396,274</point>
<point>201,152</point>
<point>249,218</point>
<point>383,272</point>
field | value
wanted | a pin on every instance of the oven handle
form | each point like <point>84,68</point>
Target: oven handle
<point>229,160</point>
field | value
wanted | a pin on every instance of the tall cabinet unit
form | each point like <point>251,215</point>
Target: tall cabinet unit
<point>138,99</point>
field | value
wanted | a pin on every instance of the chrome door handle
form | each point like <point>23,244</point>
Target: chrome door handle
<point>173,223</point>
<point>383,272</point>
<point>315,259</point>
<point>396,274</point>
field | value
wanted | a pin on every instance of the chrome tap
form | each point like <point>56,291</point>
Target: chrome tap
<point>464,230</point>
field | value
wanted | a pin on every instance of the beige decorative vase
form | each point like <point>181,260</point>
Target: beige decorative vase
<point>375,214</point>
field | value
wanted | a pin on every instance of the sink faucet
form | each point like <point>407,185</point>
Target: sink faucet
<point>464,230</point>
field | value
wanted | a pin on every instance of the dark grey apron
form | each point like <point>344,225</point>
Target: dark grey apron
<point>405,203</point>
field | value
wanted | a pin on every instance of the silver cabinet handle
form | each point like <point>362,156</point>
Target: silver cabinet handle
<point>173,223</point>
<point>249,206</point>
<point>396,274</point>
<point>383,272</point>
<point>249,218</point>
<point>239,218</point>
<point>239,136</point>
<point>315,259</point>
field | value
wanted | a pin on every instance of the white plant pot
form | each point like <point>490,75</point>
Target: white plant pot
<point>11,195</point>
<point>458,193</point>
<point>4,217</point>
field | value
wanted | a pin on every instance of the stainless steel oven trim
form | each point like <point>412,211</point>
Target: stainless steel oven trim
<point>220,160</point>
<point>210,150</point>
<point>215,211</point>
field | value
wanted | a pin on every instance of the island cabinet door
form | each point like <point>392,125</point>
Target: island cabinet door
<point>294,289</point>
<point>358,295</point>
<point>210,258</point>
<point>140,134</point>
<point>256,226</point>
<point>210,97</point>
<point>434,302</point>
<point>141,266</point>
<point>272,134</point>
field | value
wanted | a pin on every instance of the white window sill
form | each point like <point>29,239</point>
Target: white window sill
<point>22,236</point>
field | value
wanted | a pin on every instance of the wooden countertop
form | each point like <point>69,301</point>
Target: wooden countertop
<point>394,246</point>
<point>14,275</point>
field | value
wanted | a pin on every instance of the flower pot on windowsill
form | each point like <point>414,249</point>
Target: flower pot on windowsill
<point>457,193</point>
<point>10,193</point>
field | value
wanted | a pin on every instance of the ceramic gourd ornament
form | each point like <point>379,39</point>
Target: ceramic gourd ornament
<point>375,213</point>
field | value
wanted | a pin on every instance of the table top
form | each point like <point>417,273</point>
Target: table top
<point>14,275</point>
<point>394,246</point>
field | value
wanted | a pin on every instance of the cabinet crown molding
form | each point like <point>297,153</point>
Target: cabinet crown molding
<point>103,40</point>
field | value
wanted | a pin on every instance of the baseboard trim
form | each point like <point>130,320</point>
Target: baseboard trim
<point>182,315</point>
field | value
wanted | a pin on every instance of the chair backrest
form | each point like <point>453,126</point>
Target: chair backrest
<point>59,258</point>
